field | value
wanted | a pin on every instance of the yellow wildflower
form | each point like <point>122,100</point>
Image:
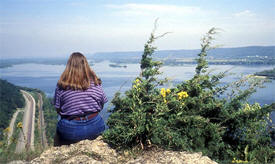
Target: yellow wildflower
<point>238,161</point>
<point>136,84</point>
<point>182,94</point>
<point>19,125</point>
<point>247,107</point>
<point>183,103</point>
<point>163,92</point>
<point>185,94</point>
<point>137,80</point>
<point>8,129</point>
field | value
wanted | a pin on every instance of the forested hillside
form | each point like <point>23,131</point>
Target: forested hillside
<point>50,117</point>
<point>10,99</point>
<point>218,53</point>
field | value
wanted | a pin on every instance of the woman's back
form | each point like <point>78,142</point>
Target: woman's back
<point>78,102</point>
<point>78,99</point>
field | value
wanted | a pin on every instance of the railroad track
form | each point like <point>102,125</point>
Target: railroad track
<point>42,123</point>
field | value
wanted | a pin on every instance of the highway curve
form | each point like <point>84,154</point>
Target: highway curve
<point>27,140</point>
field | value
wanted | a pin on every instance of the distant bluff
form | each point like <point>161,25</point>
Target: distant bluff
<point>98,152</point>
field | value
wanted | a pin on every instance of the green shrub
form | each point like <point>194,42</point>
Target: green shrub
<point>192,116</point>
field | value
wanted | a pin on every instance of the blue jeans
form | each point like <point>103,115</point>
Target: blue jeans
<point>74,130</point>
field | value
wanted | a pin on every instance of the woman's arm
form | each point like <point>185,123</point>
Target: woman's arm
<point>56,100</point>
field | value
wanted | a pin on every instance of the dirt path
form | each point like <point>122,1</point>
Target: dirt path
<point>42,122</point>
<point>26,140</point>
<point>11,126</point>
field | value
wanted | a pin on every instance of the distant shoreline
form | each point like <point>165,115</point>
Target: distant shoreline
<point>249,55</point>
<point>169,62</point>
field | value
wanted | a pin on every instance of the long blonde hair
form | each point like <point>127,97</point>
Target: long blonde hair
<point>77,74</point>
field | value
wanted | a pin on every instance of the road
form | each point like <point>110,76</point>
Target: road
<point>11,126</point>
<point>26,140</point>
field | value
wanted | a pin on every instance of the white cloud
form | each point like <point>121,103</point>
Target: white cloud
<point>245,13</point>
<point>149,9</point>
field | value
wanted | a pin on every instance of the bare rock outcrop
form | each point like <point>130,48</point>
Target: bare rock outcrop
<point>98,152</point>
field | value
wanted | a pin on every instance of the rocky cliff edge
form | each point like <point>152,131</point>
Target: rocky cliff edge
<point>98,152</point>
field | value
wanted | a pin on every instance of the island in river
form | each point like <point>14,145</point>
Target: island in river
<point>267,73</point>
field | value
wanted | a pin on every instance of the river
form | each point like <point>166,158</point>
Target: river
<point>45,77</point>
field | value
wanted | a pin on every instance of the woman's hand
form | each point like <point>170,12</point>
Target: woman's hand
<point>58,110</point>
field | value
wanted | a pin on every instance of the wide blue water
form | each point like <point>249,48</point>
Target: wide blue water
<point>45,77</point>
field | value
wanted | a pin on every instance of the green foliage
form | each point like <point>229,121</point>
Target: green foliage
<point>192,116</point>
<point>50,118</point>
<point>137,106</point>
<point>10,99</point>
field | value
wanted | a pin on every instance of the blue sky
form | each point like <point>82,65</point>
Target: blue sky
<point>55,28</point>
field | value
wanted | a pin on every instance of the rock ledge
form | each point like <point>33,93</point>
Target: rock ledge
<point>98,152</point>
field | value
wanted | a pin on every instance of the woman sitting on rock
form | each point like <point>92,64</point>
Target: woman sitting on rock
<point>78,99</point>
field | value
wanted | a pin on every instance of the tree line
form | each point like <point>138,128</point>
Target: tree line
<point>10,100</point>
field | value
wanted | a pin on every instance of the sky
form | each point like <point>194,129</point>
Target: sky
<point>56,28</point>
